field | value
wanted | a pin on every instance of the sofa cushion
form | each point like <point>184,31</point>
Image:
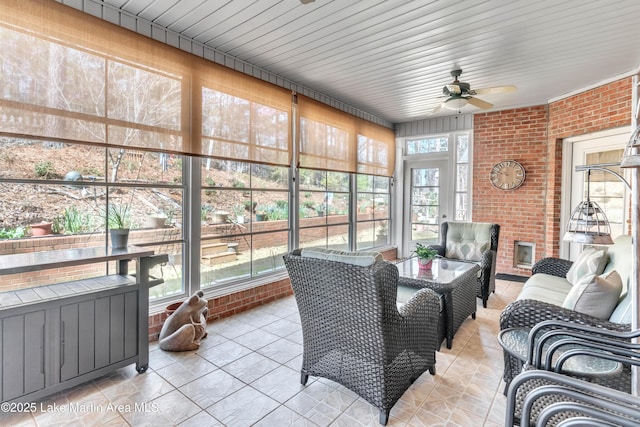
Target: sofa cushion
<point>546,288</point>
<point>363,259</point>
<point>590,261</point>
<point>622,312</point>
<point>596,296</point>
<point>620,260</point>
<point>467,241</point>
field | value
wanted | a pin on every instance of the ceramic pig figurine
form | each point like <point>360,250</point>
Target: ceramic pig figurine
<point>184,329</point>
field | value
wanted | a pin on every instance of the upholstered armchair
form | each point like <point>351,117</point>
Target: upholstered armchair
<point>353,331</point>
<point>472,242</point>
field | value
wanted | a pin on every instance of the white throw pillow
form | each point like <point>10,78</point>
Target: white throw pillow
<point>596,296</point>
<point>590,261</point>
<point>469,251</point>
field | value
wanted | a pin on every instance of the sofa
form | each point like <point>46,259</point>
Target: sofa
<point>549,294</point>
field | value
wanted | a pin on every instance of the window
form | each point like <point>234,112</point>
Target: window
<point>71,186</point>
<point>454,149</point>
<point>373,220</point>
<point>462,208</point>
<point>436,144</point>
<point>324,209</point>
<point>124,124</point>
<point>244,220</point>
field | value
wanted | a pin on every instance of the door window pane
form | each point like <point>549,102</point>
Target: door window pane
<point>425,200</point>
<point>428,145</point>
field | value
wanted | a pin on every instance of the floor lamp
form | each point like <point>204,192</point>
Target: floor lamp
<point>589,225</point>
<point>631,160</point>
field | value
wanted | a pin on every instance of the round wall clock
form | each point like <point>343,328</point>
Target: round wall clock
<point>507,175</point>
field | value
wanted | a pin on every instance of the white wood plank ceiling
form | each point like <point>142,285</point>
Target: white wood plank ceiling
<point>391,58</point>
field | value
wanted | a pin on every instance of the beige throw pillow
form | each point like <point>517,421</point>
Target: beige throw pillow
<point>590,261</point>
<point>596,296</point>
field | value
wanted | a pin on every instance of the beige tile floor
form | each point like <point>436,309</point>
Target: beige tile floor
<point>246,372</point>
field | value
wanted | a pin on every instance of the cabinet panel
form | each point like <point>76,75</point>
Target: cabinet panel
<point>34,324</point>
<point>86,336</point>
<point>22,354</point>
<point>102,332</point>
<point>97,333</point>
<point>116,320</point>
<point>131,324</point>
<point>68,341</point>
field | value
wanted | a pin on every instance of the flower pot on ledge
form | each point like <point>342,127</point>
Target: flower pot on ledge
<point>41,229</point>
<point>119,238</point>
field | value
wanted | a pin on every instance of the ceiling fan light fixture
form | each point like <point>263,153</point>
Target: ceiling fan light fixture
<point>456,103</point>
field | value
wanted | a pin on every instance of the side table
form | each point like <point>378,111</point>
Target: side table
<point>454,281</point>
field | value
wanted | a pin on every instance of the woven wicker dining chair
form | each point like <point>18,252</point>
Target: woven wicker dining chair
<point>353,331</point>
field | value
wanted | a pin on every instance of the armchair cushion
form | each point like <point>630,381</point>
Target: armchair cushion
<point>590,261</point>
<point>363,259</point>
<point>595,295</point>
<point>467,241</point>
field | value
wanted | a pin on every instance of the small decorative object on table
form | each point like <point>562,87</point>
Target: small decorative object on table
<point>183,330</point>
<point>425,256</point>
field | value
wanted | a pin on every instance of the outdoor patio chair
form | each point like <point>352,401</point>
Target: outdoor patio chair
<point>539,397</point>
<point>353,331</point>
<point>553,346</point>
<point>472,242</point>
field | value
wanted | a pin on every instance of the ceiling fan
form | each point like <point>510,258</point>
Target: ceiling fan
<point>460,94</point>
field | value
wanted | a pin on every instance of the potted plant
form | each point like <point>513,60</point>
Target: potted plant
<point>261,213</point>
<point>119,221</point>
<point>238,214</point>
<point>381,235</point>
<point>219,216</point>
<point>43,228</point>
<point>156,220</point>
<point>425,255</point>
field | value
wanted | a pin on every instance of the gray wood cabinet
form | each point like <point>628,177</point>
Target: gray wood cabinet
<point>23,352</point>
<point>57,336</point>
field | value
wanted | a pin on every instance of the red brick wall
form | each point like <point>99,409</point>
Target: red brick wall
<point>534,136</point>
<point>519,135</point>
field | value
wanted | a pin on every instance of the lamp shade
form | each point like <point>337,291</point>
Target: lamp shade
<point>588,225</point>
<point>455,103</point>
<point>631,158</point>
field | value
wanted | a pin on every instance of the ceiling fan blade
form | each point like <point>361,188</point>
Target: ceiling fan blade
<point>435,110</point>
<point>496,89</point>
<point>479,103</point>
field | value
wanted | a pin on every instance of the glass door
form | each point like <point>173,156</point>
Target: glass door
<point>426,202</point>
<point>604,188</point>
